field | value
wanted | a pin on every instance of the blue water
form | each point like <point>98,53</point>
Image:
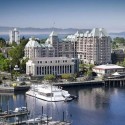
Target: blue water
<point>95,106</point>
<point>40,36</point>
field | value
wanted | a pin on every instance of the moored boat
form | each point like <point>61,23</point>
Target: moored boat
<point>48,92</point>
<point>40,119</point>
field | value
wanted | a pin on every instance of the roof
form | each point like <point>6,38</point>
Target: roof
<point>32,43</point>
<point>50,58</point>
<point>116,74</point>
<point>48,45</point>
<point>53,34</point>
<point>108,66</point>
<point>99,32</point>
<point>95,32</point>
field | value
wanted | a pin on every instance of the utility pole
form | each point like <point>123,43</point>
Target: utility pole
<point>10,66</point>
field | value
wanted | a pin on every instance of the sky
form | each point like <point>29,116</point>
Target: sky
<point>82,14</point>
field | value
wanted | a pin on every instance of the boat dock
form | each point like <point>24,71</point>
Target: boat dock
<point>42,123</point>
<point>9,89</point>
<point>115,82</point>
<point>82,83</point>
<point>14,114</point>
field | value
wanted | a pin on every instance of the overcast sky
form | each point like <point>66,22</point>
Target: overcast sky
<point>109,14</point>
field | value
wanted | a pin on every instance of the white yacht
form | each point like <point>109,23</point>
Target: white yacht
<point>48,92</point>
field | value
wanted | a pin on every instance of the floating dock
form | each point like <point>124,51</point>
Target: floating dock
<point>43,123</point>
<point>15,114</point>
<point>9,89</point>
<point>84,83</point>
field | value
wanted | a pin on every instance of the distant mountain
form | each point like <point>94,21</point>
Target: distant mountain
<point>120,34</point>
<point>31,30</point>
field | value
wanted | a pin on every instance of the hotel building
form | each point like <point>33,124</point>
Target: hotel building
<point>91,47</point>
<point>14,36</point>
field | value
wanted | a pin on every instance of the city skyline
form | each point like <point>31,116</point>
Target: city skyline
<point>82,14</point>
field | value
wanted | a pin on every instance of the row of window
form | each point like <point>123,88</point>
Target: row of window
<point>54,70</point>
<point>56,61</point>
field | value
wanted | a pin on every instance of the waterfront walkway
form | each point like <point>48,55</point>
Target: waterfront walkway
<point>9,89</point>
<point>81,83</point>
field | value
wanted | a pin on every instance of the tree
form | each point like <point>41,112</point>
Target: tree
<point>49,77</point>
<point>2,42</point>
<point>23,64</point>
<point>121,63</point>
<point>42,41</point>
<point>118,41</point>
<point>2,58</point>
<point>16,54</point>
<point>66,76</point>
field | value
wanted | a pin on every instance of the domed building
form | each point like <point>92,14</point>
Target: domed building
<point>33,49</point>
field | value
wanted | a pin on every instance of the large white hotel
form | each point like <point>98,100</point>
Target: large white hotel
<point>91,47</point>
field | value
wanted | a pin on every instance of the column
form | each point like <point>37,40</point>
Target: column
<point>64,69</point>
<point>69,68</point>
<point>49,70</point>
<point>59,69</point>
<point>73,69</point>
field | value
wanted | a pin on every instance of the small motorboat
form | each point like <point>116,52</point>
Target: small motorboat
<point>42,118</point>
<point>74,96</point>
<point>68,99</point>
<point>20,109</point>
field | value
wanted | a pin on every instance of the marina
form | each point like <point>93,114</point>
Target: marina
<point>93,103</point>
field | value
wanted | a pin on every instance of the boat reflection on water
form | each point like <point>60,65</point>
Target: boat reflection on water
<point>57,110</point>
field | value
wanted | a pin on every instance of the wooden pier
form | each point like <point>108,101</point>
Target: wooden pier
<point>120,82</point>
<point>15,114</point>
<point>82,83</point>
<point>42,123</point>
<point>9,89</point>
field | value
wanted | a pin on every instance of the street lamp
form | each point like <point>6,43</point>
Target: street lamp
<point>16,68</point>
<point>73,43</point>
<point>10,71</point>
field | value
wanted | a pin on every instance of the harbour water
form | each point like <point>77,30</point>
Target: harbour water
<point>40,36</point>
<point>95,106</point>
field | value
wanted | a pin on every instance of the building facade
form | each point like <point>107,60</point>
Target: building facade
<point>91,47</point>
<point>117,55</point>
<point>108,70</point>
<point>51,65</point>
<point>14,36</point>
<point>33,49</point>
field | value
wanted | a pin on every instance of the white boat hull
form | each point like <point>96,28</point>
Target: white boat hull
<point>49,99</point>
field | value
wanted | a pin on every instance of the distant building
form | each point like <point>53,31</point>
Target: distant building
<point>5,51</point>
<point>117,55</point>
<point>51,65</point>
<point>14,36</point>
<point>108,70</point>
